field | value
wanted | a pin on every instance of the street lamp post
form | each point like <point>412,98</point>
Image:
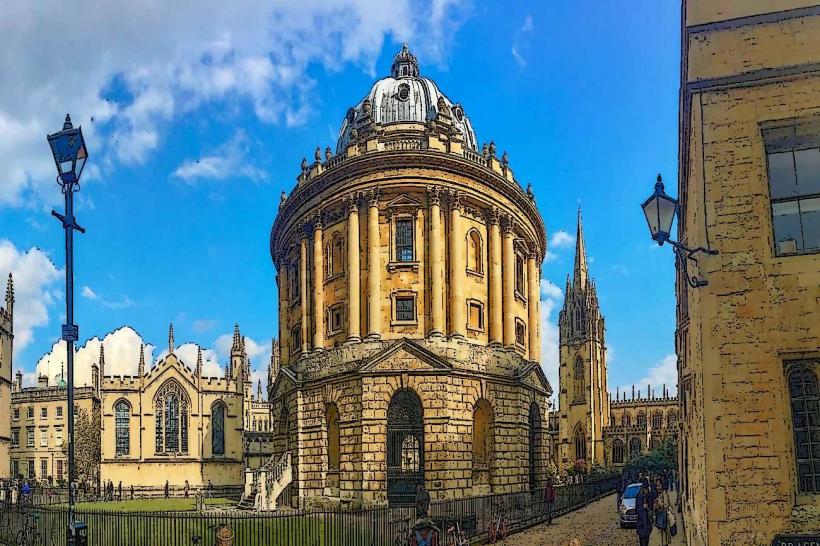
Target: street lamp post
<point>70,154</point>
<point>660,210</point>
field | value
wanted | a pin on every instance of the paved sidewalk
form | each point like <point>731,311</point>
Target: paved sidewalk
<point>595,524</point>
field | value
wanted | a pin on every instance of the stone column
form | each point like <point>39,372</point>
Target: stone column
<point>533,283</point>
<point>436,263</point>
<point>458,304</point>
<point>284,306</point>
<point>354,291</point>
<point>496,316</point>
<point>318,285</point>
<point>509,283</point>
<point>374,311</point>
<point>303,278</point>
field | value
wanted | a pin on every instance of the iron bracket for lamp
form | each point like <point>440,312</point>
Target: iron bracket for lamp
<point>683,254</point>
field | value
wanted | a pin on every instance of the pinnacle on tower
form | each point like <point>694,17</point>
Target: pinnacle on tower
<point>581,270</point>
<point>171,339</point>
<point>102,360</point>
<point>141,364</point>
<point>236,346</point>
<point>198,361</point>
<point>10,295</point>
<point>259,391</point>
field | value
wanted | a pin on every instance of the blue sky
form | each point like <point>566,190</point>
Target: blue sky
<point>201,118</point>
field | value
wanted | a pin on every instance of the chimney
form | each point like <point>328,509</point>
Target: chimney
<point>42,381</point>
<point>633,392</point>
<point>18,381</point>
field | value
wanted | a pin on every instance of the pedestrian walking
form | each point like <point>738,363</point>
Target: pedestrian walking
<point>166,489</point>
<point>549,498</point>
<point>644,506</point>
<point>119,491</point>
<point>187,487</point>
<point>662,510</point>
<point>132,491</point>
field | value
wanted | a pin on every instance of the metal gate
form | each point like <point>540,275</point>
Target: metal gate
<point>405,447</point>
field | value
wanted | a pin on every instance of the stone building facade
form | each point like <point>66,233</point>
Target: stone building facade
<point>589,427</point>
<point>170,423</point>
<point>408,269</point>
<point>6,344</point>
<point>39,428</point>
<point>749,341</point>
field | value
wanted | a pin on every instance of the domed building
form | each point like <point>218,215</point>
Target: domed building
<point>408,267</point>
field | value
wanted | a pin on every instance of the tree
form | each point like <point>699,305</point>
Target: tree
<point>86,446</point>
<point>664,457</point>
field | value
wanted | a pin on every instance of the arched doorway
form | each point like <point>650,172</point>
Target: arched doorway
<point>535,431</point>
<point>405,447</point>
<point>483,445</point>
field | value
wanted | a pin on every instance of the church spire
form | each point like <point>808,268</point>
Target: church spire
<point>581,271</point>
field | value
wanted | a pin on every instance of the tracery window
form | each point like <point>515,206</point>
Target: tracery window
<point>122,415</point>
<point>617,451</point>
<point>580,442</point>
<point>626,420</point>
<point>634,447</point>
<point>657,419</point>
<point>171,419</point>
<point>642,420</point>
<point>805,403</point>
<point>580,383</point>
<point>218,429</point>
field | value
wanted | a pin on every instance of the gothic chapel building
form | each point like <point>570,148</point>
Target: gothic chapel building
<point>408,264</point>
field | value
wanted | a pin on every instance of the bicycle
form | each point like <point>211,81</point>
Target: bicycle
<point>29,535</point>
<point>498,527</point>
<point>456,536</point>
<point>217,529</point>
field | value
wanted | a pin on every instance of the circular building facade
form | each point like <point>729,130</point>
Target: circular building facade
<point>408,267</point>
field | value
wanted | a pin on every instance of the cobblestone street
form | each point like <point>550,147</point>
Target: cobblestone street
<point>596,524</point>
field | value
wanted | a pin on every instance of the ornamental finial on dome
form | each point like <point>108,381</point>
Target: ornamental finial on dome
<point>404,64</point>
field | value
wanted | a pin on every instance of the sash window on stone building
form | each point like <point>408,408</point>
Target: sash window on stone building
<point>404,240</point>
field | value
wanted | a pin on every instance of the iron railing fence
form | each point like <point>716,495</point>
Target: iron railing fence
<point>40,496</point>
<point>372,527</point>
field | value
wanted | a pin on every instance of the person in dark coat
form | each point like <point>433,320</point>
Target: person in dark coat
<point>119,490</point>
<point>644,505</point>
<point>166,489</point>
<point>549,498</point>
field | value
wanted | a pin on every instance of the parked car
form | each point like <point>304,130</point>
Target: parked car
<point>627,513</point>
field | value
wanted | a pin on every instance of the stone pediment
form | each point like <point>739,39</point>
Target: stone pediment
<point>404,201</point>
<point>532,375</point>
<point>406,356</point>
<point>284,381</point>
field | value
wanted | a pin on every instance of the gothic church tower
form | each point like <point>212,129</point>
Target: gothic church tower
<point>583,399</point>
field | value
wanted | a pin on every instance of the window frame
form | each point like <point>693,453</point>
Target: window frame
<point>479,252</point>
<point>521,255</point>
<point>118,427</point>
<point>330,273</point>
<point>220,406</point>
<point>812,366</point>
<point>472,302</point>
<point>340,307</point>
<point>397,295</point>
<point>521,345</point>
<point>296,336</point>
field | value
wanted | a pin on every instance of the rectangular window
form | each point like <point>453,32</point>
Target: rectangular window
<point>43,469</point>
<point>29,437</point>
<point>15,438</point>
<point>60,476</point>
<point>475,315</point>
<point>43,437</point>
<point>803,378</point>
<point>405,309</point>
<point>16,414</point>
<point>294,280</point>
<point>519,274</point>
<point>15,468</point>
<point>58,438</point>
<point>520,333</point>
<point>335,319</point>
<point>59,411</point>
<point>404,240</point>
<point>43,413</point>
<point>793,157</point>
<point>31,469</point>
<point>30,412</point>
<point>296,338</point>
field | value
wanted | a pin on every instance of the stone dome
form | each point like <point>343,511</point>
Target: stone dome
<point>403,97</point>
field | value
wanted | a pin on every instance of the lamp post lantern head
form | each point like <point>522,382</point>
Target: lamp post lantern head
<point>660,210</point>
<point>69,151</point>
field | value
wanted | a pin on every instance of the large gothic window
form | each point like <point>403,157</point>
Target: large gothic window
<point>171,419</point>
<point>617,451</point>
<point>642,419</point>
<point>122,415</point>
<point>657,420</point>
<point>218,429</point>
<point>672,418</point>
<point>578,376</point>
<point>580,442</point>
<point>626,420</point>
<point>805,402</point>
<point>634,448</point>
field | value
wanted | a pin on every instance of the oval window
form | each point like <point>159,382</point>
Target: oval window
<point>458,112</point>
<point>404,92</point>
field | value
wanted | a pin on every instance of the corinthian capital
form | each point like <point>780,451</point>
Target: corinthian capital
<point>434,195</point>
<point>351,203</point>
<point>371,197</point>
<point>493,215</point>
<point>456,200</point>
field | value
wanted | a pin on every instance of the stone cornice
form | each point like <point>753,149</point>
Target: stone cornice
<point>385,161</point>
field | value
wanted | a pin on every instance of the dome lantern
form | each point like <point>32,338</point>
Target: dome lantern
<point>405,64</point>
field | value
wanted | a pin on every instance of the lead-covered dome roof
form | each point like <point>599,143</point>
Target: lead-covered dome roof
<point>404,97</point>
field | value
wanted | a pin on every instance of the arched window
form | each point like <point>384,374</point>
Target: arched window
<point>641,419</point>
<point>578,376</point>
<point>805,403</point>
<point>482,442</point>
<point>122,415</point>
<point>218,429</point>
<point>634,447</point>
<point>405,447</point>
<point>171,419</point>
<point>626,419</point>
<point>617,451</point>
<point>657,419</point>
<point>672,418</point>
<point>333,438</point>
<point>333,256</point>
<point>580,442</point>
<point>654,443</point>
<point>475,262</point>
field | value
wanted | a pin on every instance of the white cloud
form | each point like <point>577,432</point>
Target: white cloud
<point>620,268</point>
<point>232,159</point>
<point>36,288</point>
<point>123,303</point>
<point>551,300</point>
<point>203,325</point>
<point>130,69</point>
<point>562,239</point>
<point>520,43</point>
<point>664,372</point>
<point>122,349</point>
